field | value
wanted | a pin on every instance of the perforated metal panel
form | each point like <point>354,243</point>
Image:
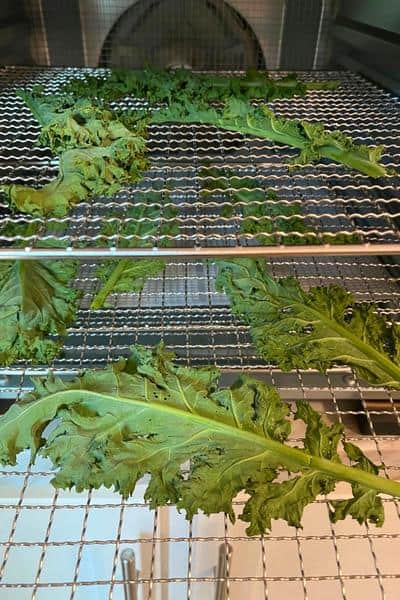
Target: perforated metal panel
<point>206,34</point>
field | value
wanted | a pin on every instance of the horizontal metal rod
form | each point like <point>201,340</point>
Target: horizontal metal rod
<point>232,251</point>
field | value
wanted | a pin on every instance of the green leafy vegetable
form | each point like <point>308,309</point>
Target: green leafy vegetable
<point>183,86</point>
<point>124,276</point>
<point>365,501</point>
<point>98,154</point>
<point>316,329</point>
<point>35,301</point>
<point>83,172</point>
<point>143,222</point>
<point>148,415</point>
<point>314,141</point>
<point>68,124</point>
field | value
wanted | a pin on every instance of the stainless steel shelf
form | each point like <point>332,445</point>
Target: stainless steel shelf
<point>71,543</point>
<point>183,307</point>
<point>334,201</point>
<point>67,544</point>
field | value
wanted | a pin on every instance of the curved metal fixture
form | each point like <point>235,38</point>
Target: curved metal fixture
<point>206,34</point>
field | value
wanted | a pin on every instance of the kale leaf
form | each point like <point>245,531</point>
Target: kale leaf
<point>35,301</point>
<point>317,329</point>
<point>313,140</point>
<point>98,155</point>
<point>201,446</point>
<point>83,172</point>
<point>183,86</point>
<point>142,224</point>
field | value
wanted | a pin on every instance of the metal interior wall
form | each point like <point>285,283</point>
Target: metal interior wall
<point>87,23</point>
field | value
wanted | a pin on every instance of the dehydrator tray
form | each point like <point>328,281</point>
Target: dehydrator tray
<point>59,545</point>
<point>182,306</point>
<point>335,201</point>
<point>66,544</point>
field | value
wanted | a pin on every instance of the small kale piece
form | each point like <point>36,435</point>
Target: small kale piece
<point>365,501</point>
<point>142,224</point>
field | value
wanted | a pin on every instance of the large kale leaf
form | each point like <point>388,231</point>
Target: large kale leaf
<point>35,301</point>
<point>200,445</point>
<point>182,86</point>
<point>316,329</point>
<point>312,139</point>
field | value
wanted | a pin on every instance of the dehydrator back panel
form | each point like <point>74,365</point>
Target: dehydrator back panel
<point>201,34</point>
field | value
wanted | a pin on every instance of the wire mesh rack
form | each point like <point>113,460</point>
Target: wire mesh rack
<point>69,545</point>
<point>79,546</point>
<point>341,212</point>
<point>182,306</point>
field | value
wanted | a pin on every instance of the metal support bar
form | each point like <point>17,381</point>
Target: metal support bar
<point>210,252</point>
<point>224,560</point>
<point>129,573</point>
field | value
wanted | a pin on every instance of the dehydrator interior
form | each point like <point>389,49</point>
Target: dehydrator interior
<point>81,545</point>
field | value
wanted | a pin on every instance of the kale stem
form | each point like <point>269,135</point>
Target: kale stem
<point>101,296</point>
<point>354,475</point>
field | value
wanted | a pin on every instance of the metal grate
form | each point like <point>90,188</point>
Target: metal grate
<point>334,200</point>
<point>69,545</point>
<point>183,307</point>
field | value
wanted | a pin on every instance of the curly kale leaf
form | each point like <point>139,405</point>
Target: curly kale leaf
<point>70,124</point>
<point>98,155</point>
<point>316,329</point>
<point>183,86</point>
<point>83,172</point>
<point>200,445</point>
<point>313,140</point>
<point>36,301</point>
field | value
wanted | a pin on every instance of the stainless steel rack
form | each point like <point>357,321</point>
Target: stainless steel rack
<point>183,307</point>
<point>68,545</point>
<point>334,200</point>
<point>57,545</point>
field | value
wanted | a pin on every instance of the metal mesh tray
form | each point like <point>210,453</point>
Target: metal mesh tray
<point>182,306</point>
<point>70,545</point>
<point>334,200</point>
